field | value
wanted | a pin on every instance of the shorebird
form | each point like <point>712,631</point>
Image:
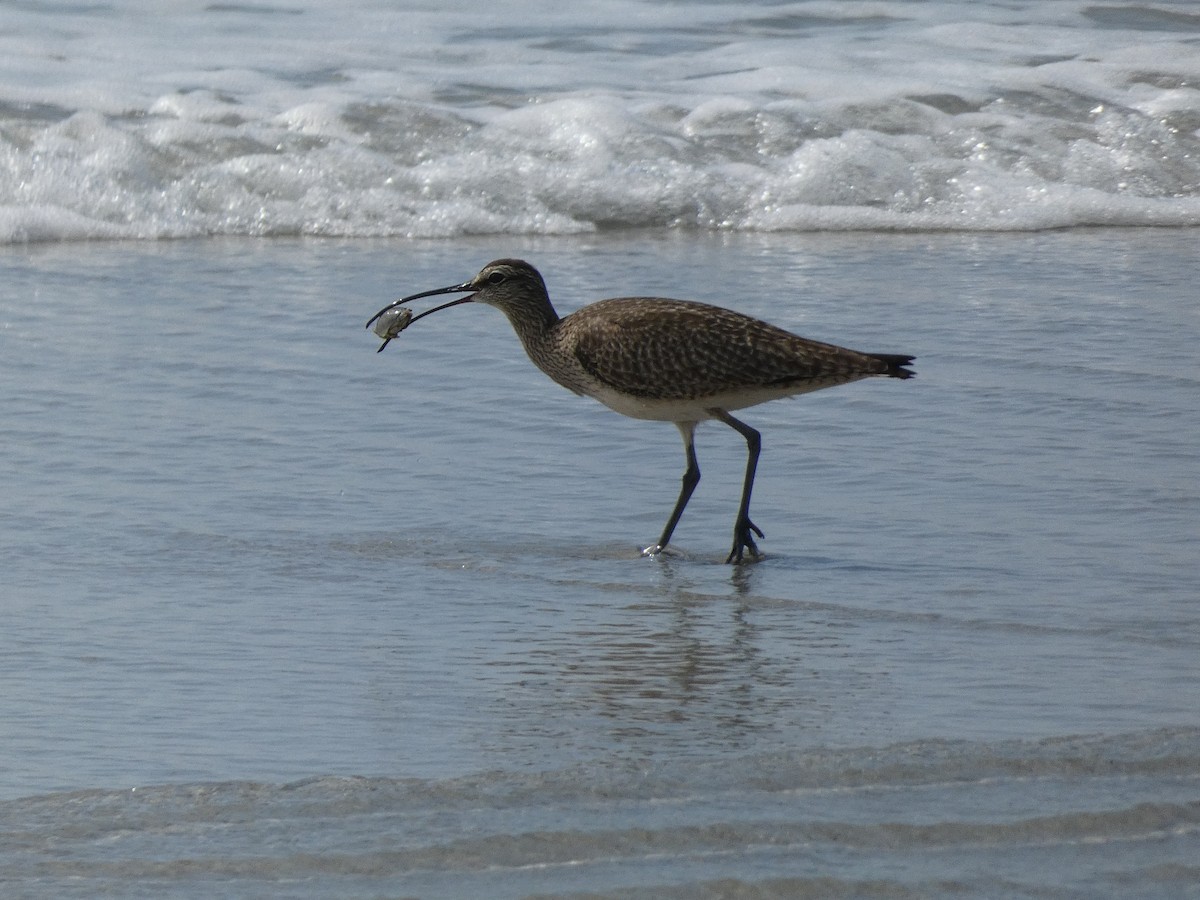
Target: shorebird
<point>666,360</point>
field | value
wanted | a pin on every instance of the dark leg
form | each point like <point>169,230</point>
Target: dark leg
<point>742,539</point>
<point>691,478</point>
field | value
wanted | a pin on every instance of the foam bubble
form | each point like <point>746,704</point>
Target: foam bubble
<point>20,224</point>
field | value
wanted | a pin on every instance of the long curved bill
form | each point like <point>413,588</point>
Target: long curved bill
<point>405,322</point>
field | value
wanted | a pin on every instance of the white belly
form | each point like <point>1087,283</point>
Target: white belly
<point>697,410</point>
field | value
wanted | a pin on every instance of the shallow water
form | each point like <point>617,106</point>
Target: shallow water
<point>288,617</point>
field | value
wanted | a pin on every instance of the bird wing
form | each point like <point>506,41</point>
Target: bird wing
<point>681,350</point>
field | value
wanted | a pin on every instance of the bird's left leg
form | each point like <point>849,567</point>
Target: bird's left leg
<point>691,478</point>
<point>742,528</point>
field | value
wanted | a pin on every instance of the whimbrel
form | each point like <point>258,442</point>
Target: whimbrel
<point>668,360</point>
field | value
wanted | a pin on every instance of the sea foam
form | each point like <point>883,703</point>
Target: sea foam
<point>269,121</point>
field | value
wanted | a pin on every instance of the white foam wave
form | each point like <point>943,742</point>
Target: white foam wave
<point>806,116</point>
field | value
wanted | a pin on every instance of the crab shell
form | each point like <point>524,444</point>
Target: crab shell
<point>392,322</point>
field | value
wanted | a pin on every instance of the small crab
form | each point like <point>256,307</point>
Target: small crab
<point>391,322</point>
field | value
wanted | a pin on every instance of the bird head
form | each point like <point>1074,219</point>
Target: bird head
<point>510,285</point>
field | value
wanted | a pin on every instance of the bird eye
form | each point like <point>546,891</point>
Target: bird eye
<point>496,278</point>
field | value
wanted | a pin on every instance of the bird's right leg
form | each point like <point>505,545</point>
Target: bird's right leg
<point>691,478</point>
<point>743,540</point>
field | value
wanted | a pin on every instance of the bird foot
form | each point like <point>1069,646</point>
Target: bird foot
<point>743,541</point>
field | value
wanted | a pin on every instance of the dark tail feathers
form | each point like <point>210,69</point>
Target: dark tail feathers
<point>897,364</point>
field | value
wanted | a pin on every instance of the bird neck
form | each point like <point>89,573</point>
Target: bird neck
<point>533,324</point>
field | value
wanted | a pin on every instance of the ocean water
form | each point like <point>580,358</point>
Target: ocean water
<point>284,617</point>
<point>148,119</point>
<point>288,617</point>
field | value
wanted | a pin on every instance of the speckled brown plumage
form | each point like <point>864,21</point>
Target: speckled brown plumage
<point>681,350</point>
<point>669,360</point>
